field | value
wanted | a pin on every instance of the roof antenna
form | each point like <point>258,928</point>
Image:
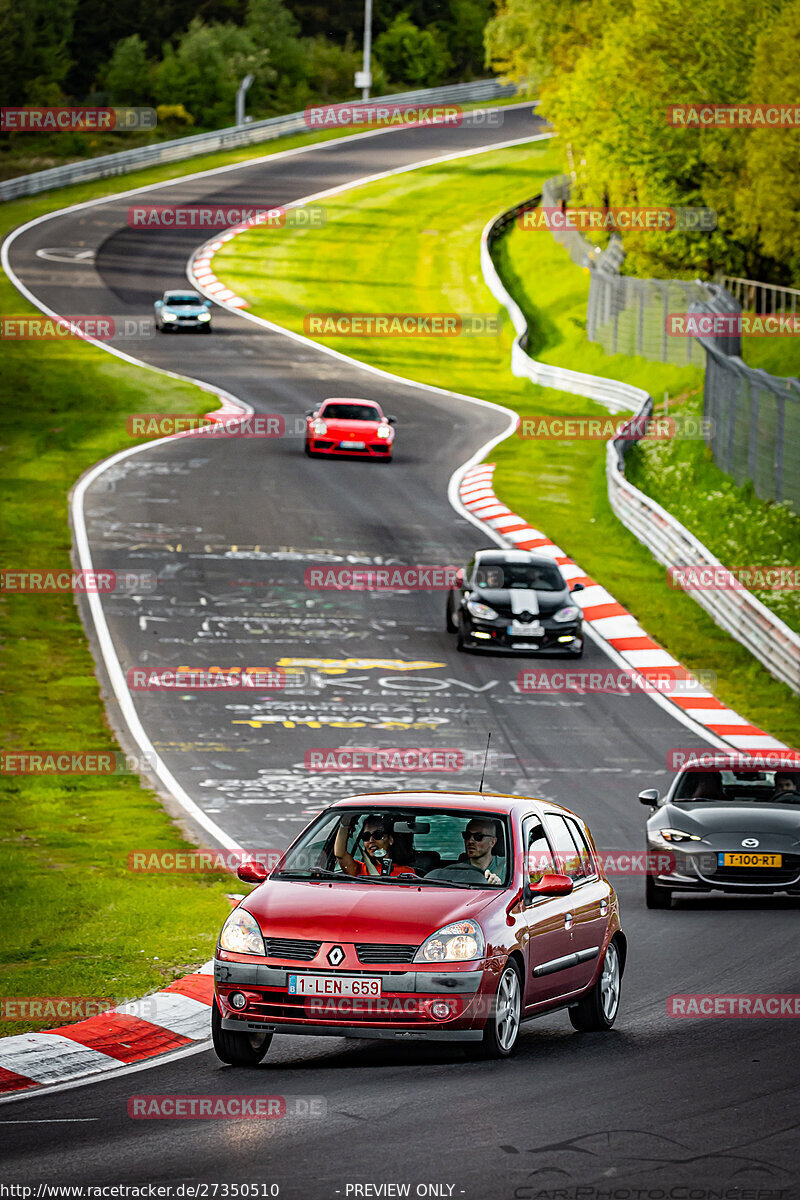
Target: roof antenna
<point>485,758</point>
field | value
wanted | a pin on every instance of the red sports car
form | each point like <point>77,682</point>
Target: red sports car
<point>356,428</point>
<point>365,929</point>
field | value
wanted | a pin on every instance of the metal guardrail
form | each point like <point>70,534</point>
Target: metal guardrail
<point>738,612</point>
<point>762,297</point>
<point>616,396</point>
<point>768,638</point>
<point>230,138</point>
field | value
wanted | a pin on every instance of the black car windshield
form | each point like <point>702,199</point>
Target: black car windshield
<point>351,412</point>
<point>185,300</point>
<point>739,786</point>
<point>539,577</point>
<point>403,847</point>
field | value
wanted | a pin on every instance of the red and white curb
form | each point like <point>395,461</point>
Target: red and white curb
<point>204,275</point>
<point>172,1019</point>
<point>613,623</point>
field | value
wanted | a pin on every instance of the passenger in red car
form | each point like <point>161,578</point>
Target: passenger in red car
<point>377,838</point>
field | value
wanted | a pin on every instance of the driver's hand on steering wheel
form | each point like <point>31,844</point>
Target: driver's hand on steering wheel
<point>491,877</point>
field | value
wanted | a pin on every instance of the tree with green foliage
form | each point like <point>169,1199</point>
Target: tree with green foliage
<point>606,77</point>
<point>412,55</point>
<point>205,70</point>
<point>34,50</point>
<point>128,74</point>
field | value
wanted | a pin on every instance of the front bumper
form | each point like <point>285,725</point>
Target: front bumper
<point>403,1010</point>
<point>700,871</point>
<point>378,449</point>
<point>494,635</point>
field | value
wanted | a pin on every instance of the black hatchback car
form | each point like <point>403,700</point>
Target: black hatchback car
<point>514,601</point>
<point>728,829</point>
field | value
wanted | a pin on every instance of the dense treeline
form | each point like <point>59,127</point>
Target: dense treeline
<point>194,52</point>
<point>605,73</point>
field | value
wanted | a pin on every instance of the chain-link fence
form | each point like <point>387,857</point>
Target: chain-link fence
<point>754,417</point>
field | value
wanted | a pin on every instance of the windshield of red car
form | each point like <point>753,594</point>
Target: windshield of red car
<point>450,847</point>
<point>350,412</point>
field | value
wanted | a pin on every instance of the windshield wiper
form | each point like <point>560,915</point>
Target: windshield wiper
<point>314,873</point>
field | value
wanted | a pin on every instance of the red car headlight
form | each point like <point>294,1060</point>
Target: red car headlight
<point>461,941</point>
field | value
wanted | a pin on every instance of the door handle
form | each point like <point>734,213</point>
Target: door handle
<point>568,919</point>
<point>603,907</point>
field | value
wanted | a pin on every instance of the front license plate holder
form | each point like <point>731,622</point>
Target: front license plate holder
<point>329,985</point>
<point>740,859</point>
<point>352,445</point>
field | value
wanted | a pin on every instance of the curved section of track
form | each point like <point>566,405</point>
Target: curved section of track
<point>231,527</point>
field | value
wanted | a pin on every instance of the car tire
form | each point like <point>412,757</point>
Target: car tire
<point>307,450</point>
<point>452,627</point>
<point>237,1049</point>
<point>656,896</point>
<point>461,641</point>
<point>597,1011</point>
<point>501,1031</point>
<point>206,329</point>
<point>576,653</point>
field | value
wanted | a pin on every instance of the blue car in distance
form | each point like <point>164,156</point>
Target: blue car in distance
<point>182,310</point>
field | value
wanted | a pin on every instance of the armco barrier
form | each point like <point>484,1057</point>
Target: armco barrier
<point>738,612</point>
<point>230,138</point>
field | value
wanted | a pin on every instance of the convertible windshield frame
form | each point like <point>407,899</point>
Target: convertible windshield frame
<point>318,839</point>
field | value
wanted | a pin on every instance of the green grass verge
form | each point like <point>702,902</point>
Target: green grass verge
<point>411,244</point>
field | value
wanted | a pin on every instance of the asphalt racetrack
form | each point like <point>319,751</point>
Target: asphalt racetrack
<point>661,1105</point>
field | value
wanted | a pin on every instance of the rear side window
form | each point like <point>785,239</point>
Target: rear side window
<point>570,849</point>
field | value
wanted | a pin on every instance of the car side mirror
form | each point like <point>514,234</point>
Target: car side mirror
<point>551,885</point>
<point>460,577</point>
<point>577,587</point>
<point>252,872</point>
<point>206,304</point>
<point>649,796</point>
<point>309,412</point>
<point>392,420</point>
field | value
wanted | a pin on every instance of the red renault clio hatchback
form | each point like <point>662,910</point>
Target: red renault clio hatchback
<point>404,915</point>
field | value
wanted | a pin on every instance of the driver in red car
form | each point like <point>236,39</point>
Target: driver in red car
<point>480,839</point>
<point>377,839</point>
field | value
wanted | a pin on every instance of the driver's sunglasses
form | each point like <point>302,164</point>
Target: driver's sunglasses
<point>374,835</point>
<point>475,837</point>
